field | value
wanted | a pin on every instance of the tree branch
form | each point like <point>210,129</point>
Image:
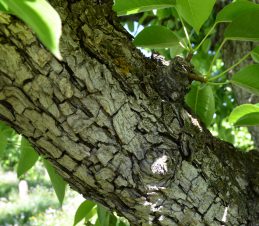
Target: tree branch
<point>99,120</point>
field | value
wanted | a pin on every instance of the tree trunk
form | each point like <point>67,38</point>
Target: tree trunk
<point>100,118</point>
<point>232,52</point>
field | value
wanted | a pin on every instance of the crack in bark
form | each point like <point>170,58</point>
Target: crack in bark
<point>119,149</point>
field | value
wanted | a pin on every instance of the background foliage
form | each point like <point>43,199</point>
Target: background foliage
<point>169,28</point>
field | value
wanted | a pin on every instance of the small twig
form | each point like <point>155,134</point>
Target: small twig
<point>189,56</point>
<point>196,77</point>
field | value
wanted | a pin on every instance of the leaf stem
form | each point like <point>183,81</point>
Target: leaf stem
<point>230,68</point>
<point>186,33</point>
<point>216,55</point>
<point>209,32</point>
<point>218,83</point>
<point>196,77</point>
<point>183,45</point>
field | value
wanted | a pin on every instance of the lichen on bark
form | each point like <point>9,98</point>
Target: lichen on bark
<point>97,117</point>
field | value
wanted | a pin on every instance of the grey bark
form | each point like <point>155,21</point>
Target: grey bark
<point>107,131</point>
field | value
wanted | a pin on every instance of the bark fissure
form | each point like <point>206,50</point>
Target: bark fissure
<point>147,158</point>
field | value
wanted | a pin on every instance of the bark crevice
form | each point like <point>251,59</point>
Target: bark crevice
<point>125,147</point>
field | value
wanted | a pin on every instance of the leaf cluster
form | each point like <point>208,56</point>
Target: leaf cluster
<point>194,15</point>
<point>174,27</point>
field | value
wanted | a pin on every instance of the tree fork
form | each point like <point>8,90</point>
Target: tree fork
<point>107,131</point>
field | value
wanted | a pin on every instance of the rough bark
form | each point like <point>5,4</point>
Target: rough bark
<point>103,124</point>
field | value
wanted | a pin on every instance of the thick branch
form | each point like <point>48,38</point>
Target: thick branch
<point>97,118</point>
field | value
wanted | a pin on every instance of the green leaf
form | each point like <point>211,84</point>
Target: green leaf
<point>226,134</point>
<point>124,7</point>
<point>234,10</point>
<point>206,45</point>
<point>131,25</point>
<point>3,144</point>
<point>251,119</point>
<point>97,223</point>
<point>113,220</point>
<point>42,18</point>
<point>156,37</point>
<point>248,78</point>
<point>6,130</point>
<point>121,223</point>
<point>28,157</point>
<point>195,12</point>
<point>103,215</point>
<point>255,54</point>
<point>175,50</point>
<point>4,7</point>
<point>242,110</point>
<point>92,215</point>
<point>5,133</point>
<point>201,101</point>
<point>57,181</point>
<point>244,28</point>
<point>82,211</point>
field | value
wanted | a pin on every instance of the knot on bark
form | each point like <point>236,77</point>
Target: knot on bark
<point>173,83</point>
